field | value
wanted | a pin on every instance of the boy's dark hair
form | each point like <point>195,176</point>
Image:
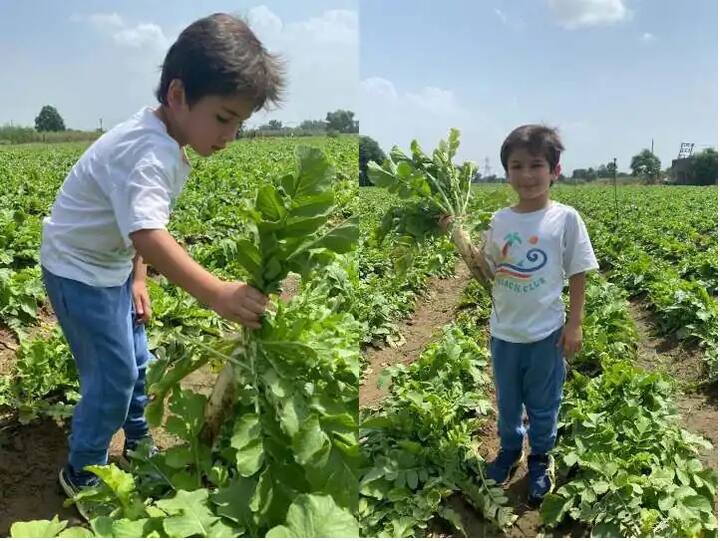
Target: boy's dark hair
<point>536,139</point>
<point>220,55</point>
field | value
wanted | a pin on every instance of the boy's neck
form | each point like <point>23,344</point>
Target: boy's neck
<point>531,205</point>
<point>166,119</point>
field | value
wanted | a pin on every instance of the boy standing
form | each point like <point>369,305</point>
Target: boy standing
<point>110,217</point>
<point>530,249</point>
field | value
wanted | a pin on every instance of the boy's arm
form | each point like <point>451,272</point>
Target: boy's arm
<point>140,297</point>
<point>474,258</point>
<point>236,301</point>
<point>571,338</point>
<point>139,269</point>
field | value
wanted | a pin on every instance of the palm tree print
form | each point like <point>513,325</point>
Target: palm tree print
<point>510,239</point>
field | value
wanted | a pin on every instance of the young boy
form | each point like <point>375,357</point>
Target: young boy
<point>110,217</point>
<point>529,250</point>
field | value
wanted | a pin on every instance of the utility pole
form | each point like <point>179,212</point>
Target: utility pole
<point>652,145</point>
<point>617,211</point>
<point>101,130</point>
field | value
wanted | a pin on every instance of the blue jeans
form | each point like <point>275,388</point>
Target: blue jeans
<point>111,355</point>
<point>530,375</point>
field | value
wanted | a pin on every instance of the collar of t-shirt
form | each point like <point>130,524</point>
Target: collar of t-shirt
<point>154,119</point>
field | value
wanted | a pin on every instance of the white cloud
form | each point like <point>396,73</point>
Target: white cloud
<point>99,20</point>
<point>572,14</point>
<point>379,87</point>
<point>434,100</point>
<point>501,15</point>
<point>320,49</point>
<point>395,116</point>
<point>322,60</point>
<point>334,26</point>
<point>428,99</point>
<point>263,21</point>
<point>142,35</point>
<point>647,37</point>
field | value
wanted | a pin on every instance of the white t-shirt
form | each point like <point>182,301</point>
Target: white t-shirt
<point>532,254</point>
<point>127,180</point>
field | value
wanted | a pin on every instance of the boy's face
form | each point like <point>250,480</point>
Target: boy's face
<point>211,122</point>
<point>530,174</point>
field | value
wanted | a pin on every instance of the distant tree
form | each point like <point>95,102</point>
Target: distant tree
<point>579,174</point>
<point>591,174</point>
<point>275,125</point>
<point>646,165</point>
<point>704,167</point>
<point>313,125</point>
<point>49,120</point>
<point>370,151</point>
<point>342,121</point>
<point>602,171</point>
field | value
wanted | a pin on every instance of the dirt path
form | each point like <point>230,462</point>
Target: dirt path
<point>433,310</point>
<point>699,412</point>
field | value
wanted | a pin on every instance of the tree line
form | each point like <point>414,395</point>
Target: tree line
<point>700,168</point>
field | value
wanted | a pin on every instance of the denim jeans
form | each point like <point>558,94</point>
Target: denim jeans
<point>530,375</point>
<point>111,355</point>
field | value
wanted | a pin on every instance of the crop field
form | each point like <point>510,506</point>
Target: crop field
<point>283,460</point>
<point>365,405</point>
<point>637,445</point>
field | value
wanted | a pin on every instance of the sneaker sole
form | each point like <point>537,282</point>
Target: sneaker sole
<point>71,493</point>
<point>123,463</point>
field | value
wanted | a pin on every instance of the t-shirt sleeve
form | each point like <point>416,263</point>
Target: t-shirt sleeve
<point>578,254</point>
<point>143,199</point>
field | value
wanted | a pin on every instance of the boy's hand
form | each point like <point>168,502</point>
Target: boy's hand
<point>570,340</point>
<point>241,303</point>
<point>141,302</point>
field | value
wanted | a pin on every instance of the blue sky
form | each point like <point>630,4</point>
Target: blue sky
<point>93,59</point>
<point>610,74</point>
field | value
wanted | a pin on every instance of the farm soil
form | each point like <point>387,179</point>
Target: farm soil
<point>435,308</point>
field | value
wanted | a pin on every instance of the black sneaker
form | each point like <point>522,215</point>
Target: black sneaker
<point>73,483</point>
<point>541,477</point>
<point>503,467</point>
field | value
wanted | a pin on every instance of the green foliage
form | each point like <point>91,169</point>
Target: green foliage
<point>418,447</point>
<point>704,167</point>
<point>369,151</point>
<point>430,187</point>
<point>632,470</point>
<point>290,441</point>
<point>341,121</point>
<point>49,120</point>
<point>290,220</point>
<point>384,296</point>
<point>43,379</point>
<point>20,295</point>
<point>645,165</point>
<point>663,247</point>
